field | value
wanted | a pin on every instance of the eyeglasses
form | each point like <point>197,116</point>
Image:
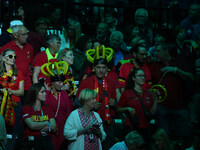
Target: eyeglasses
<point>140,76</point>
<point>11,56</point>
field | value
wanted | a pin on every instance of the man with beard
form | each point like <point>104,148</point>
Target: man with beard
<point>139,53</point>
<point>106,97</point>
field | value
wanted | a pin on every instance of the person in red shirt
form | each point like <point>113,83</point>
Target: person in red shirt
<point>50,54</point>
<point>139,54</point>
<point>12,87</point>
<point>130,103</point>
<point>175,75</point>
<point>39,121</point>
<point>23,51</point>
<point>106,97</point>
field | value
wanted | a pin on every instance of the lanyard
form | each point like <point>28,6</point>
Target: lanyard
<point>86,117</point>
<point>41,114</point>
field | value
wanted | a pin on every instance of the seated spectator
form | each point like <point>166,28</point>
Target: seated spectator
<point>132,141</point>
<point>71,34</point>
<point>102,33</point>
<point>141,21</point>
<point>118,45</point>
<point>192,22</point>
<point>161,141</point>
<point>80,64</point>
<point>110,17</point>
<point>39,121</point>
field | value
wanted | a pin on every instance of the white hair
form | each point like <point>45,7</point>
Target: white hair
<point>139,10</point>
<point>16,29</point>
<point>117,33</point>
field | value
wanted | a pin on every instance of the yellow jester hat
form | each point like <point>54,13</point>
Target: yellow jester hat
<point>101,52</point>
<point>55,70</point>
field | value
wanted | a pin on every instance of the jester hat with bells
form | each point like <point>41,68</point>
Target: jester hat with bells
<point>55,70</point>
<point>100,55</point>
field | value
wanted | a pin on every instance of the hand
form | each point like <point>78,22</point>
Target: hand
<point>47,86</point>
<point>10,92</point>
<point>169,69</point>
<point>97,132</point>
<point>65,87</point>
<point>88,130</point>
<point>112,102</point>
<point>2,90</point>
<point>131,111</point>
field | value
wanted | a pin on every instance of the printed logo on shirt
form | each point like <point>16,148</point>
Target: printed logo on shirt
<point>40,118</point>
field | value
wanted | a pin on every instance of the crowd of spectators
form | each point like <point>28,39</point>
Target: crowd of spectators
<point>115,84</point>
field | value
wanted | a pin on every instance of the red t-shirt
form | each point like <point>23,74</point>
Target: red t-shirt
<point>126,69</point>
<point>23,61</point>
<point>13,84</point>
<point>89,83</point>
<point>40,59</point>
<point>29,112</point>
<point>173,83</point>
<point>130,99</point>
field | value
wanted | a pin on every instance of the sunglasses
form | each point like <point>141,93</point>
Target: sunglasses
<point>11,56</point>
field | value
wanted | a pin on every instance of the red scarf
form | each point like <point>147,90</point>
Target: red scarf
<point>106,99</point>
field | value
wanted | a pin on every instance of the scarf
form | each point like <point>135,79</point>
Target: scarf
<point>7,105</point>
<point>106,99</point>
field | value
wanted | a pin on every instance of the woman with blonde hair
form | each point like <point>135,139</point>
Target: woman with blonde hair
<point>12,87</point>
<point>84,128</point>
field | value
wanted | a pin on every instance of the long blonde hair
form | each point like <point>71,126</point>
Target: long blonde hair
<point>3,67</point>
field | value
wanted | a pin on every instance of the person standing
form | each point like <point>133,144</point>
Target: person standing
<point>23,51</point>
<point>83,127</point>
<point>50,54</point>
<point>39,121</point>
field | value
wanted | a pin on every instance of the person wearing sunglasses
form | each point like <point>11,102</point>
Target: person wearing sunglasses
<point>12,87</point>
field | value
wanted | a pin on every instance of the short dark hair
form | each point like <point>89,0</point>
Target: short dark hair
<point>53,37</point>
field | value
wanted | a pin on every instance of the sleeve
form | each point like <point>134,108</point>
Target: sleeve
<point>101,127</point>
<point>37,61</point>
<point>71,127</point>
<point>123,99</point>
<point>26,112</point>
<point>117,146</point>
<point>20,76</point>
